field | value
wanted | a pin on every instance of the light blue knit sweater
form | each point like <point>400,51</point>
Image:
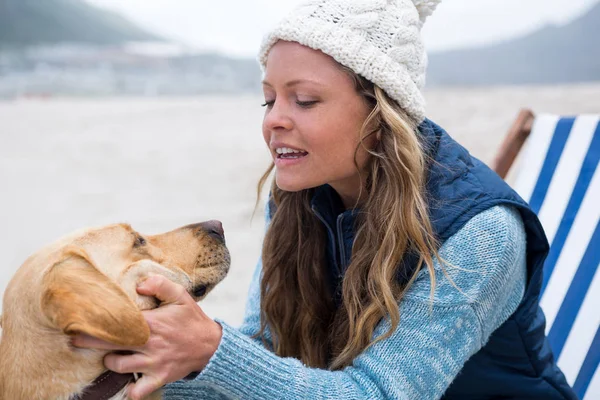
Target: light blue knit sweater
<point>421,358</point>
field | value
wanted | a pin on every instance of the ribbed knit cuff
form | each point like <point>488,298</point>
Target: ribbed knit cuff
<point>243,369</point>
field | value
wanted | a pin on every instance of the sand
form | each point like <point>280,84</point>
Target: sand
<point>160,163</point>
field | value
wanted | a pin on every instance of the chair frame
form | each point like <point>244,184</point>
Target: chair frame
<point>513,142</point>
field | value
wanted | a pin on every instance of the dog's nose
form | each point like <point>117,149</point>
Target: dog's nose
<point>214,228</point>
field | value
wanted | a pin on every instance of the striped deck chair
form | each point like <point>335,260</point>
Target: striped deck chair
<point>560,178</point>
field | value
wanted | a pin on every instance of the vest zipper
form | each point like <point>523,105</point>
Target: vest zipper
<point>331,236</point>
<point>341,245</point>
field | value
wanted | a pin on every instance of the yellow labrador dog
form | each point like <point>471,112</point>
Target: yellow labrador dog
<point>86,283</point>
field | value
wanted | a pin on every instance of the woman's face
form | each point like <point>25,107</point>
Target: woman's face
<point>312,121</point>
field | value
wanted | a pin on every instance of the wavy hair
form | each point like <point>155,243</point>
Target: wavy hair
<point>297,305</point>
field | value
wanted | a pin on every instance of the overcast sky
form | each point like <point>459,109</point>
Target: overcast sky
<point>235,27</point>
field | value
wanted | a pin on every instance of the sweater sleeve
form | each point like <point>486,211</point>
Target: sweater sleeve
<point>479,287</point>
<point>251,322</point>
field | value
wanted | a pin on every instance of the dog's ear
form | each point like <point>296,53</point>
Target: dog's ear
<point>77,298</point>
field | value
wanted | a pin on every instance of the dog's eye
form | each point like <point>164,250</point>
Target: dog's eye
<point>139,241</point>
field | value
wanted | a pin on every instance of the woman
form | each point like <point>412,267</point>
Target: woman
<point>394,265</point>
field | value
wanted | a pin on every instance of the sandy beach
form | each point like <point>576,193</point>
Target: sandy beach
<point>159,163</point>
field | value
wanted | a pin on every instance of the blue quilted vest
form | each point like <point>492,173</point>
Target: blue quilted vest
<point>516,362</point>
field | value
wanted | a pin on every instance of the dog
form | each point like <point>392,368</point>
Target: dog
<point>86,283</point>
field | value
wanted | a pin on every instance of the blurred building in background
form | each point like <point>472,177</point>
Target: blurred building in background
<point>133,69</point>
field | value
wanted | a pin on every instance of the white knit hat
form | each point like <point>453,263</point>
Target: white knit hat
<point>378,39</point>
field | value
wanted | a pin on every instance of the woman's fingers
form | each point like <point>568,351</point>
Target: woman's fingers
<point>144,386</point>
<point>163,289</point>
<point>124,364</point>
<point>90,342</point>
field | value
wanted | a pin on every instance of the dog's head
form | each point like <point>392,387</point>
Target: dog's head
<point>86,282</point>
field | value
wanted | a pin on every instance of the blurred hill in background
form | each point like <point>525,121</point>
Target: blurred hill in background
<point>36,22</point>
<point>553,54</point>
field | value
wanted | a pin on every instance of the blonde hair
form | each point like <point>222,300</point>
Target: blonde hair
<point>297,305</point>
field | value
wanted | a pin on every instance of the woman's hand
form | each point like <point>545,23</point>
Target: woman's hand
<point>182,340</point>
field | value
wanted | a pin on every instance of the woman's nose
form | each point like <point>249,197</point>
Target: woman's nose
<point>278,117</point>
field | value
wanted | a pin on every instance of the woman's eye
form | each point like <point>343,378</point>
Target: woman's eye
<point>268,103</point>
<point>306,104</point>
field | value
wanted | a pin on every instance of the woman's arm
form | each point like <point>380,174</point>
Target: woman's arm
<point>426,351</point>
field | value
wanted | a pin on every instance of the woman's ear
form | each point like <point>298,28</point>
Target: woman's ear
<point>78,298</point>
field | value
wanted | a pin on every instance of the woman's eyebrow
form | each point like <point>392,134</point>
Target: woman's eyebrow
<point>295,82</point>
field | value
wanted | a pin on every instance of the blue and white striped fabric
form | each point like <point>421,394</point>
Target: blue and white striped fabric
<point>560,178</point>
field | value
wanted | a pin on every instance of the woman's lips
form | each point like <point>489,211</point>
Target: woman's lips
<point>290,159</point>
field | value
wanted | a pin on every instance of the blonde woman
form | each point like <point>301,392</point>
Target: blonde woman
<point>394,264</point>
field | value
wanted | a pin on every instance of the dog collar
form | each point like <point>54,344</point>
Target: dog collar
<point>105,386</point>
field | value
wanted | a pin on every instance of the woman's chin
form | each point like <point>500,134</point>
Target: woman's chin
<point>289,185</point>
<point>289,188</point>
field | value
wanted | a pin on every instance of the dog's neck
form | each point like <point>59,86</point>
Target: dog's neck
<point>49,372</point>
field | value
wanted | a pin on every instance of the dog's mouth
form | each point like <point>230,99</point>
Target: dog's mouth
<point>200,290</point>
<point>210,269</point>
